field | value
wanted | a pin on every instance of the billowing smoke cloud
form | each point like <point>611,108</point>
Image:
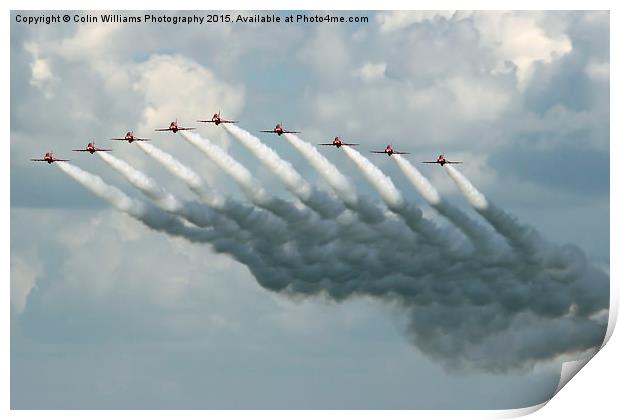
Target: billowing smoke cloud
<point>152,217</point>
<point>536,302</point>
<point>161,221</point>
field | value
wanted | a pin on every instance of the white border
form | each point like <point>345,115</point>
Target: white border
<point>592,394</point>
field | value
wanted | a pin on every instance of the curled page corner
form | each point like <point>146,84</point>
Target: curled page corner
<point>571,368</point>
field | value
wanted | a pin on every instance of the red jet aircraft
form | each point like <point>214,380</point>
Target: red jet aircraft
<point>389,151</point>
<point>129,137</point>
<point>174,127</point>
<point>49,158</point>
<point>217,120</point>
<point>442,160</point>
<point>279,130</point>
<point>337,142</point>
<point>91,148</point>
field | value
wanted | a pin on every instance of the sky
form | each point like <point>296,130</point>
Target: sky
<point>106,313</point>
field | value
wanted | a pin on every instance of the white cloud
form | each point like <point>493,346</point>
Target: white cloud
<point>598,70</point>
<point>25,269</point>
<point>395,20</point>
<point>477,99</point>
<point>371,71</point>
<point>173,84</point>
<point>41,71</point>
<point>327,53</point>
<point>521,39</point>
<point>515,37</point>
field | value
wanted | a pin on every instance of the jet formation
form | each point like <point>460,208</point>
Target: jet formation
<point>216,119</point>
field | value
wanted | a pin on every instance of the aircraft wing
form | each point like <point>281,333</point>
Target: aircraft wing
<point>267,131</point>
<point>291,132</point>
<point>80,150</point>
<point>449,161</point>
<point>228,121</point>
<point>161,129</point>
<point>185,128</point>
<point>138,139</point>
<point>60,160</point>
<point>401,153</point>
<point>38,160</point>
<point>206,121</point>
<point>350,144</point>
<point>103,150</point>
<point>327,144</point>
<point>376,151</point>
<point>430,162</point>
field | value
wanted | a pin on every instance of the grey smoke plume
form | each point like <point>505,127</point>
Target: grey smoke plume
<point>161,221</point>
<point>535,303</point>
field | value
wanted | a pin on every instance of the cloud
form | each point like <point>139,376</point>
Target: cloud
<point>41,71</point>
<point>171,83</point>
<point>371,71</point>
<point>598,70</point>
<point>478,99</point>
<point>24,274</point>
<point>396,20</point>
<point>521,39</point>
<point>514,37</point>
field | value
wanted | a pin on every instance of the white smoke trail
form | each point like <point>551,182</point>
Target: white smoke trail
<point>366,210</point>
<point>298,220</point>
<point>522,238</point>
<point>475,197</point>
<point>242,176</point>
<point>419,181</point>
<point>276,233</point>
<point>293,181</point>
<point>164,222</point>
<point>197,214</point>
<point>138,209</point>
<point>270,263</point>
<point>477,233</point>
<point>248,218</point>
<point>381,182</point>
<point>230,166</point>
<point>336,180</point>
<point>395,202</point>
<point>111,194</point>
<point>144,183</point>
<point>187,175</point>
<point>321,203</point>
